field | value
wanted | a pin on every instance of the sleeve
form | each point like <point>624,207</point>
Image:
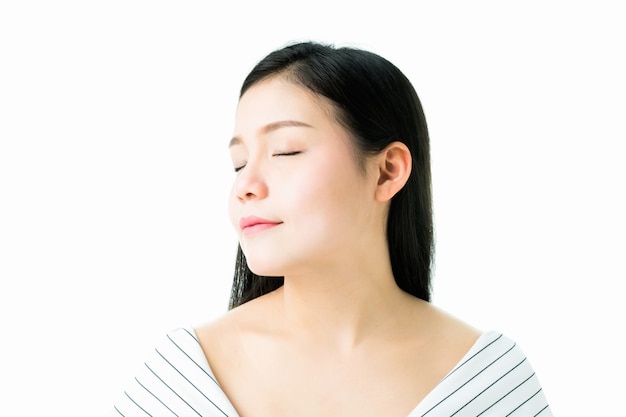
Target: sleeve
<point>494,379</point>
<point>512,387</point>
<point>175,380</point>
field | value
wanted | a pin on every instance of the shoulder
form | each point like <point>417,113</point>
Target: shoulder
<point>221,339</point>
<point>450,335</point>
<point>494,377</point>
<point>175,377</point>
<point>248,317</point>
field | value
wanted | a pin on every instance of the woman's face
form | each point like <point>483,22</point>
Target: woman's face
<point>299,202</point>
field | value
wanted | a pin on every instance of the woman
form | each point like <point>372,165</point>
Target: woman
<point>330,308</point>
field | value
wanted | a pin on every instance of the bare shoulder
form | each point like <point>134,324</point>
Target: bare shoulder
<point>220,339</point>
<point>448,323</point>
<point>246,315</point>
<point>448,335</point>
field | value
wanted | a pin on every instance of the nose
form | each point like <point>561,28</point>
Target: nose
<point>250,183</point>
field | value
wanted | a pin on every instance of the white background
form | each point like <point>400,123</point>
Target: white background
<point>114,172</point>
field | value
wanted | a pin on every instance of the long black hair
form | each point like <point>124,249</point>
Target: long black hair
<point>377,105</point>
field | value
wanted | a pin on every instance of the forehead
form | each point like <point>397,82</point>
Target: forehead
<point>277,99</point>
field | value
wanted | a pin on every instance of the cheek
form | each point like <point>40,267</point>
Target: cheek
<point>329,193</point>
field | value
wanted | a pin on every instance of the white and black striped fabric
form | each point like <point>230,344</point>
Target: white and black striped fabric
<point>493,379</point>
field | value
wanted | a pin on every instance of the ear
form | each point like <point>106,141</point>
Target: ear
<point>394,168</point>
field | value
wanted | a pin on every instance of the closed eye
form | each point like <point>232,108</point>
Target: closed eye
<point>240,167</point>
<point>287,153</point>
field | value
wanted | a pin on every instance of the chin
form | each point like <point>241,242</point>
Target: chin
<point>264,269</point>
<point>263,260</point>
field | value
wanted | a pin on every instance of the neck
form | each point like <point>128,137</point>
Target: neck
<point>342,307</point>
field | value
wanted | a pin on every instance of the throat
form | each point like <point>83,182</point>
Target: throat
<point>342,320</point>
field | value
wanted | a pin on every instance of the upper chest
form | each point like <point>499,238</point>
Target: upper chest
<point>262,378</point>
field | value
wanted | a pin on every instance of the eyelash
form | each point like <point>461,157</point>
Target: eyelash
<point>287,153</point>
<point>237,169</point>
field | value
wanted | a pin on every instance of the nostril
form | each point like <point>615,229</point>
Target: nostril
<point>245,196</point>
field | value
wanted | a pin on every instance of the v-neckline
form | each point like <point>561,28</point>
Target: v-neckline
<point>422,407</point>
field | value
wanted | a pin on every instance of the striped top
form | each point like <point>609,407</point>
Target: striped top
<point>494,378</point>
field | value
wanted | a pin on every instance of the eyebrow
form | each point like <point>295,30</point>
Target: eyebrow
<point>271,127</point>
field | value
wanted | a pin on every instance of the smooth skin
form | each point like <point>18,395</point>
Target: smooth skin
<point>340,338</point>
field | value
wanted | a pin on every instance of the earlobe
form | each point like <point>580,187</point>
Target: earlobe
<point>394,168</point>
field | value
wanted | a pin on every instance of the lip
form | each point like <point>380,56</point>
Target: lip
<point>253,224</point>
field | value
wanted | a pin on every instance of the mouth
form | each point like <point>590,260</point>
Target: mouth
<point>252,224</point>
